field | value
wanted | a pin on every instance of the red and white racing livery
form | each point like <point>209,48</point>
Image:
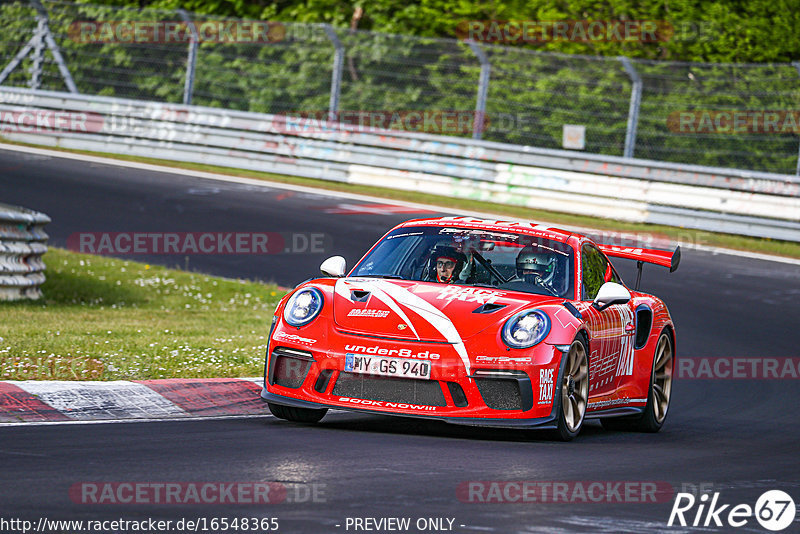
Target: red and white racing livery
<point>477,322</point>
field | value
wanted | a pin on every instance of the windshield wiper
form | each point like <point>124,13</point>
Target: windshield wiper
<point>389,276</point>
<point>549,289</point>
<point>489,267</point>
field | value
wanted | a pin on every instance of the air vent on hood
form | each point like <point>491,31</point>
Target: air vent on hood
<point>359,296</point>
<point>489,307</point>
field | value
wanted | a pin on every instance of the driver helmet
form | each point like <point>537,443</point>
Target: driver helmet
<point>533,264</point>
<point>446,264</point>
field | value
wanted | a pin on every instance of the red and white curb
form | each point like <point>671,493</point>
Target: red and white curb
<point>56,401</point>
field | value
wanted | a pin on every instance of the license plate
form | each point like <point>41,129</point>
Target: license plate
<point>378,365</point>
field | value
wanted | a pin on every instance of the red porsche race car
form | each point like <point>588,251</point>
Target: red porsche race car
<point>477,322</point>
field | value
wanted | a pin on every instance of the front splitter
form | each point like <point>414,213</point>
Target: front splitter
<point>539,423</point>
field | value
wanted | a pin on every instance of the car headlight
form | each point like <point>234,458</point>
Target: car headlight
<point>526,329</point>
<point>303,306</point>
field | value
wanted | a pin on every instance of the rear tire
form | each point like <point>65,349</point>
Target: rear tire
<point>659,394</point>
<point>573,391</point>
<point>297,415</point>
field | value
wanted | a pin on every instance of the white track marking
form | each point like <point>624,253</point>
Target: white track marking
<point>102,400</point>
<point>147,420</point>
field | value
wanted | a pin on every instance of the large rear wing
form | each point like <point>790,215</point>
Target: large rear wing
<point>645,255</point>
<point>658,257</point>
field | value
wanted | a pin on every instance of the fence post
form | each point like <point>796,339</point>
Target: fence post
<point>191,60</point>
<point>479,122</point>
<point>633,109</point>
<point>336,75</point>
<point>38,56</point>
<point>17,59</point>
<point>51,44</point>
<point>796,65</point>
<point>40,34</point>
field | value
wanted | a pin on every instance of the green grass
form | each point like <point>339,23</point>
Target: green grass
<point>684,235</point>
<point>110,319</point>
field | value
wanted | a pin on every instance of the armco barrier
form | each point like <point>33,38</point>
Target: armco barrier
<point>711,199</point>
<point>22,244</point>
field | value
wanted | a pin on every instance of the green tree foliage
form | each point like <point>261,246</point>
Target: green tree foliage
<point>702,30</point>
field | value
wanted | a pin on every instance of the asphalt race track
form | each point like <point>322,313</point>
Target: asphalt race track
<point>736,437</point>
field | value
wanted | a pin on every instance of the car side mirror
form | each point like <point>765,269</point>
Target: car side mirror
<point>334,266</point>
<point>611,293</point>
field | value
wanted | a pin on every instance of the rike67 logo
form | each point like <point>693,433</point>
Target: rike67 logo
<point>774,510</point>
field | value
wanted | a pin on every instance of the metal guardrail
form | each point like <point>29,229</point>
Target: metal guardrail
<point>23,242</point>
<point>705,198</point>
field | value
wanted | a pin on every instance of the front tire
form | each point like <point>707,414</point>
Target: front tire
<point>574,391</point>
<point>660,393</point>
<point>297,415</point>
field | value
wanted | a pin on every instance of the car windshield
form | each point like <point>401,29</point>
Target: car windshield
<point>474,257</point>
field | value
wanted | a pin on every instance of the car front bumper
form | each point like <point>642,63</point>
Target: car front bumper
<point>539,423</point>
